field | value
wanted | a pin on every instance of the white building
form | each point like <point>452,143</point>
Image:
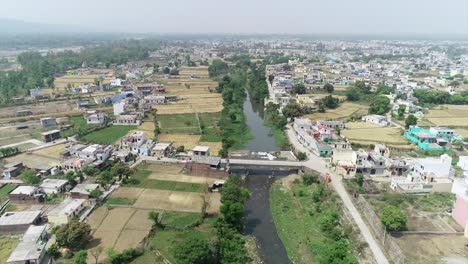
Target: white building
<point>53,186</point>
<point>376,119</point>
<point>120,107</point>
<point>116,82</point>
<point>31,248</point>
<point>67,210</point>
<point>97,118</point>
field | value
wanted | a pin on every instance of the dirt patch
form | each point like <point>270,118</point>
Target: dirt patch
<point>128,193</point>
<point>170,200</point>
<point>188,141</point>
<point>174,172</point>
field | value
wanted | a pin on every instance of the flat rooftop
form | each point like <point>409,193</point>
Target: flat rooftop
<point>19,218</point>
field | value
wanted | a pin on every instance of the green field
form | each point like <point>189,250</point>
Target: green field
<point>179,124</point>
<point>139,179</point>
<point>165,240</point>
<point>5,190</point>
<point>210,127</point>
<point>303,218</point>
<point>7,245</point>
<point>119,201</point>
<point>108,135</point>
<point>180,219</point>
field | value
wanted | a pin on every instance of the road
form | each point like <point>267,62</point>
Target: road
<point>319,165</point>
<point>389,118</point>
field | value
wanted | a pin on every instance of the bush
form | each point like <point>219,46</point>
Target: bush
<point>309,178</point>
<point>74,235</point>
<point>194,251</point>
<point>393,218</point>
<point>301,156</point>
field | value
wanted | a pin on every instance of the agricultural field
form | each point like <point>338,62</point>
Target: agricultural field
<point>109,135</point>
<point>193,95</point>
<point>7,245</point>
<point>174,172</point>
<point>10,135</point>
<point>62,82</point>
<point>48,157</point>
<point>4,192</point>
<point>188,141</point>
<point>118,228</point>
<point>179,123</point>
<point>343,113</point>
<point>448,115</point>
<point>41,108</point>
<point>367,134</point>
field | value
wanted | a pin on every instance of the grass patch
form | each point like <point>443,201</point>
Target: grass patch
<point>165,240</point>
<point>140,179</point>
<point>280,136</point>
<point>119,201</point>
<point>7,245</point>
<point>179,123</point>
<point>5,190</point>
<point>108,135</point>
<point>54,198</point>
<point>180,220</point>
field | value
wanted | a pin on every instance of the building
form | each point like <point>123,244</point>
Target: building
<point>426,175</point>
<point>370,163</point>
<point>83,190</point>
<point>303,124</point>
<point>13,223</point>
<point>201,151</point>
<point>50,135</point>
<point>376,119</point>
<point>96,118</point>
<point>206,166</point>
<point>344,161</point>
<point>75,164</point>
<point>93,152</point>
<point>53,186</point>
<point>161,150</point>
<point>13,169</point>
<point>120,107</point>
<point>155,99</point>
<point>26,195</point>
<point>460,189</point>
<point>35,93</point>
<point>425,139</point>
<point>31,249</point>
<point>146,148</point>
<point>48,121</point>
<point>116,82</point>
<point>331,124</point>
<point>447,134</point>
<point>67,210</point>
<point>127,120</point>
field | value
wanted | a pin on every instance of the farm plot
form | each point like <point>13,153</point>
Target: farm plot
<point>108,135</point>
<point>46,157</point>
<point>7,245</point>
<point>367,134</point>
<point>188,141</point>
<point>179,123</point>
<point>170,200</point>
<point>118,228</point>
<point>449,115</point>
<point>343,113</point>
<point>174,172</point>
<point>41,108</point>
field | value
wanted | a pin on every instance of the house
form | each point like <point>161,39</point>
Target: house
<point>26,195</point>
<point>376,119</point>
<point>53,186</point>
<point>460,189</point>
<point>344,161</point>
<point>35,93</point>
<point>331,124</point>
<point>201,151</point>
<point>76,164</point>
<point>31,249</point>
<point>425,139</point>
<point>83,190</point>
<point>116,82</point>
<point>155,99</point>
<point>133,142</point>
<point>370,163</point>
<point>206,166</point>
<point>67,210</point>
<point>96,118</point>
<point>146,148</point>
<point>426,175</point>
<point>13,169</point>
<point>447,134</point>
<point>13,223</point>
<point>50,136</point>
<point>82,104</point>
<point>48,121</point>
<point>162,150</point>
<point>120,107</point>
<point>302,123</point>
<point>382,150</point>
<point>127,120</point>
<point>92,152</point>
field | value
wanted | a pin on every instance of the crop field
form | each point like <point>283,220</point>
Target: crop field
<point>174,172</point>
<point>188,141</point>
<point>366,134</point>
<point>7,245</point>
<point>193,95</point>
<point>344,112</point>
<point>108,135</point>
<point>40,108</point>
<point>44,157</point>
<point>449,115</point>
<point>118,228</point>
<point>53,151</point>
<point>75,80</point>
<point>148,129</point>
<point>179,123</point>
<point>10,135</point>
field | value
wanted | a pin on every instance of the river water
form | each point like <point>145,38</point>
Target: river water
<point>259,219</point>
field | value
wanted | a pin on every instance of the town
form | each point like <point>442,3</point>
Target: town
<point>234,149</point>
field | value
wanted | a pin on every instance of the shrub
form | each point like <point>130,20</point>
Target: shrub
<point>393,218</point>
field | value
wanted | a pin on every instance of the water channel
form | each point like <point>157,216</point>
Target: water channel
<point>259,219</point>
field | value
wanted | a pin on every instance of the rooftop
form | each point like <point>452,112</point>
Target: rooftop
<point>201,148</point>
<point>19,218</point>
<point>67,207</point>
<point>53,183</point>
<point>85,188</point>
<point>30,248</point>
<point>28,190</point>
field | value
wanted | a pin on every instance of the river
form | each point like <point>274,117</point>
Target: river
<point>259,219</point>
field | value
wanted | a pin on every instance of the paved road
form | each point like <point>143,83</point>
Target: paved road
<point>264,162</point>
<point>319,165</point>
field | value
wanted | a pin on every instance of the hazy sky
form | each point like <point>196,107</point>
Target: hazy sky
<point>249,16</point>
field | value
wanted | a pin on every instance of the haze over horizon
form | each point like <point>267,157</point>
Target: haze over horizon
<point>365,17</point>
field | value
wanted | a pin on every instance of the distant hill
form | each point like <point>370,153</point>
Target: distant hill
<point>11,26</point>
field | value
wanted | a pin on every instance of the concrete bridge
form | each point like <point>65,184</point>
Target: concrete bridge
<point>257,164</point>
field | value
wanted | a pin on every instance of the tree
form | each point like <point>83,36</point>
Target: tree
<point>120,169</point>
<point>353,94</point>
<point>401,111</point>
<point>217,68</point>
<point>301,156</point>
<point>385,89</point>
<point>292,110</point>
<point>411,120</point>
<point>298,88</point>
<point>29,176</point>
<point>122,258</point>
<point>271,78</point>
<point>329,88</point>
<point>154,216</point>
<point>80,257</point>
<point>330,102</point>
<point>180,148</point>
<point>359,179</point>
<point>73,235</point>
<point>193,251</point>
<point>53,251</point>
<point>379,105</point>
<point>454,83</point>
<point>309,178</point>
<point>96,252</point>
<point>393,218</point>
<point>96,193</point>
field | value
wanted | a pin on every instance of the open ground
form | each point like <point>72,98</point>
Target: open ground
<point>367,134</point>
<point>448,115</point>
<point>47,157</point>
<point>343,113</point>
